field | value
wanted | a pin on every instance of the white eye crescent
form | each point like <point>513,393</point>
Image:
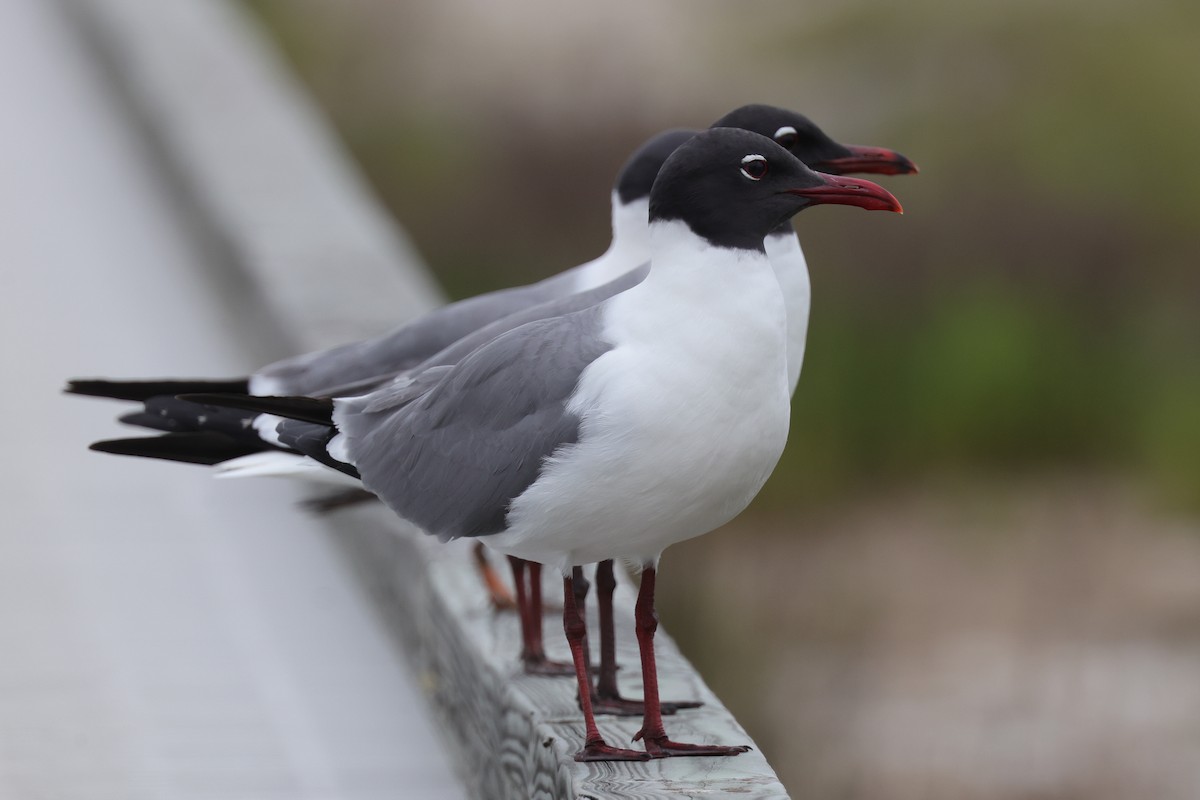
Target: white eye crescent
<point>785,136</point>
<point>754,167</point>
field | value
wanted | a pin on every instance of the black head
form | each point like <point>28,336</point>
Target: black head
<point>638,174</point>
<point>800,136</point>
<point>733,186</point>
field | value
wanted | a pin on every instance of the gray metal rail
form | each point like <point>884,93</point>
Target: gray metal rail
<point>269,189</point>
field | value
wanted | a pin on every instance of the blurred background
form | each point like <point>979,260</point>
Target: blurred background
<point>976,573</point>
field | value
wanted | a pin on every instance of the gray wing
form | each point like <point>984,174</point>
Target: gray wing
<point>392,389</point>
<point>402,390</point>
<point>557,307</point>
<point>453,459</point>
<point>407,346</point>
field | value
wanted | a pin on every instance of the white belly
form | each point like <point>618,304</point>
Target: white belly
<point>631,486</point>
<point>676,438</point>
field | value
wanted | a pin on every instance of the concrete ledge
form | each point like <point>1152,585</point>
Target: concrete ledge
<point>268,184</point>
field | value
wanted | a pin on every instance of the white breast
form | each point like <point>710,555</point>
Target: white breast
<point>791,269</point>
<point>682,421</point>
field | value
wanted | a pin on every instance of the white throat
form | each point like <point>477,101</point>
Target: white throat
<point>791,270</point>
<point>693,276</point>
<point>630,246</point>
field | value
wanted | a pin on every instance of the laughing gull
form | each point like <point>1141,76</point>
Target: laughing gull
<point>360,366</point>
<point>792,130</point>
<point>805,140</point>
<point>611,432</point>
<point>203,435</point>
<point>438,337</point>
<point>207,435</point>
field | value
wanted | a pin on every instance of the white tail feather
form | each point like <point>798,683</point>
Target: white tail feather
<point>283,465</point>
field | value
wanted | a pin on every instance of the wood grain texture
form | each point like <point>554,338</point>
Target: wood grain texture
<point>266,181</point>
<point>517,734</point>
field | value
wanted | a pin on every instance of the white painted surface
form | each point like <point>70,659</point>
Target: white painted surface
<point>162,635</point>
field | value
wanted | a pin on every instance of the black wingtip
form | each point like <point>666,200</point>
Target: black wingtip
<point>140,391</point>
<point>306,409</point>
<point>155,422</point>
<point>190,448</point>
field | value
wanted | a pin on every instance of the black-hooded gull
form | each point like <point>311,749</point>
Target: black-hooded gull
<point>205,435</point>
<point>446,334</point>
<point>614,431</point>
<point>805,140</point>
<point>792,130</point>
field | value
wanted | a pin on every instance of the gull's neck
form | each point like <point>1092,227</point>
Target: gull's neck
<point>791,270</point>
<point>716,304</point>
<point>630,246</point>
<point>680,257</point>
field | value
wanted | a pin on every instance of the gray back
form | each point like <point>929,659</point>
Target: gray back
<point>410,344</point>
<point>382,385</point>
<point>557,307</point>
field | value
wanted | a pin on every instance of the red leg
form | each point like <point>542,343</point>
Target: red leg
<point>502,598</point>
<point>580,587</point>
<point>527,576</point>
<point>594,746</point>
<point>607,698</point>
<point>652,732</point>
<point>518,572</point>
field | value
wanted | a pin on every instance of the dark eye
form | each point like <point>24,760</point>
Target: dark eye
<point>754,167</point>
<point>786,136</point>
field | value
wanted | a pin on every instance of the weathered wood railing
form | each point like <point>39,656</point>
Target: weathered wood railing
<point>268,187</point>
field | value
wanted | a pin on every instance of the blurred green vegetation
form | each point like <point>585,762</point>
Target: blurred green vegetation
<point>1039,304</point>
<point>988,378</point>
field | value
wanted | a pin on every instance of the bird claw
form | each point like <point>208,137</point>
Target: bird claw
<point>662,747</point>
<point>545,668</point>
<point>599,751</point>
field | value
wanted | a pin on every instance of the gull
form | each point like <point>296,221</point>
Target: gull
<point>613,431</point>
<point>215,435</point>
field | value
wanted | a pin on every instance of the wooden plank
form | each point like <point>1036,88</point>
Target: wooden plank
<point>519,732</point>
<point>162,636</point>
<point>271,188</point>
